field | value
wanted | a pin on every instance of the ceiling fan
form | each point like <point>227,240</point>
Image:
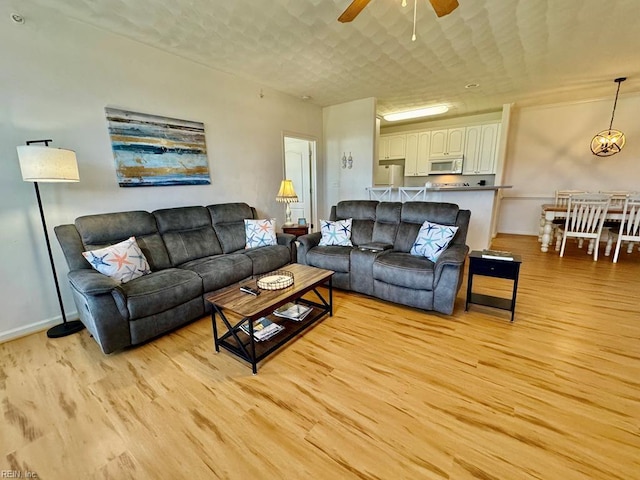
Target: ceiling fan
<point>441,7</point>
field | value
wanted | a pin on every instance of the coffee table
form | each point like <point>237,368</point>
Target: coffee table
<point>250,308</point>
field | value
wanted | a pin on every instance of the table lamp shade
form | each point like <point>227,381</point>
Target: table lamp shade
<point>286,194</point>
<point>47,164</point>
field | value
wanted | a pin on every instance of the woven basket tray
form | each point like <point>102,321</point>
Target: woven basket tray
<point>275,280</point>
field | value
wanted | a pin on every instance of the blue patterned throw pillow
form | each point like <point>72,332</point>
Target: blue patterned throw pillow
<point>260,233</point>
<point>432,240</point>
<point>336,233</point>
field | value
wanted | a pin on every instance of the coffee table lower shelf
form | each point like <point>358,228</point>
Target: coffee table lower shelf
<point>252,351</point>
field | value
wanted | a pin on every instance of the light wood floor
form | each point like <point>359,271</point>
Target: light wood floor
<point>378,391</point>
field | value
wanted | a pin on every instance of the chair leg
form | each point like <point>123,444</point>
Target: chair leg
<point>590,246</point>
<point>630,247</point>
<point>559,235</point>
<point>564,242</point>
<point>541,231</point>
<point>617,251</point>
<point>607,250</point>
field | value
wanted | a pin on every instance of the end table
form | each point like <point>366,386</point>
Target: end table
<point>508,269</point>
<point>296,230</point>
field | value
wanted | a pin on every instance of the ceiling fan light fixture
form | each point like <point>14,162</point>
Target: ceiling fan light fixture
<point>421,112</point>
<point>609,142</point>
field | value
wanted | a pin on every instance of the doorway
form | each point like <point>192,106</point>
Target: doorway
<point>300,168</point>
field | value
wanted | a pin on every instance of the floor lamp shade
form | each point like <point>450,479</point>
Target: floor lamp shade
<point>47,164</point>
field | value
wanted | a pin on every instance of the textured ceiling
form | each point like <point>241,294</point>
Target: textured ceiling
<point>520,51</point>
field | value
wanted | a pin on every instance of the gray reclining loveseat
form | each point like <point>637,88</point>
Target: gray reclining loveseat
<point>379,262</point>
<point>191,252</point>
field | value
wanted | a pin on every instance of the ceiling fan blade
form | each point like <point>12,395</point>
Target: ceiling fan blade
<point>443,7</point>
<point>353,10</point>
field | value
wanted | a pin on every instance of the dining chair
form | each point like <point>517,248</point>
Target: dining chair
<point>629,227</point>
<point>618,198</point>
<point>561,200</point>
<point>585,219</point>
<point>382,194</point>
<point>412,194</point>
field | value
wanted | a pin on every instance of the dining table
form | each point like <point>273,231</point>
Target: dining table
<point>551,212</point>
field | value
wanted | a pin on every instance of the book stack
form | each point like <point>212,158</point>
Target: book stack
<point>497,255</point>
<point>263,329</point>
<point>293,311</point>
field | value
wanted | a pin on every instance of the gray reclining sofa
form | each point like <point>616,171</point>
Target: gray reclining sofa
<point>379,262</point>
<point>191,251</point>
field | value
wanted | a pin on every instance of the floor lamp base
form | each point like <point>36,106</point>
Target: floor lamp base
<point>64,329</point>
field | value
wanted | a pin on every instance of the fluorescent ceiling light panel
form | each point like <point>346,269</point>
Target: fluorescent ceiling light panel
<point>422,112</point>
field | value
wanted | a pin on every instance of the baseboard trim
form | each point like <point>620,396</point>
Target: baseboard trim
<point>32,328</point>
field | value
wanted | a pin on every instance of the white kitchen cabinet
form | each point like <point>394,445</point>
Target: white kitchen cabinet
<point>447,142</point>
<point>481,149</point>
<point>392,147</point>
<point>417,154</point>
<point>411,159</point>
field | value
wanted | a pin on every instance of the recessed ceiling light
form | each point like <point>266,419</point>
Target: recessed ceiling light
<point>472,85</point>
<point>422,112</point>
<point>305,97</point>
<point>17,18</point>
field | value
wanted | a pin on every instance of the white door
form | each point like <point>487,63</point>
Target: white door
<point>299,164</point>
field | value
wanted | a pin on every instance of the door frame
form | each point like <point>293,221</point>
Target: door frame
<point>313,170</point>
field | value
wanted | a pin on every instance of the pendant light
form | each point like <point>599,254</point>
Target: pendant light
<point>609,142</point>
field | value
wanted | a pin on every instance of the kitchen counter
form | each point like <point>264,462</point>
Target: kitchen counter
<point>463,189</point>
<point>480,199</point>
<point>434,188</point>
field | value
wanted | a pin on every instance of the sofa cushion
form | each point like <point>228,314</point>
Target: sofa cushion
<point>405,270</point>
<point>336,233</point>
<point>432,240</point>
<point>387,221</point>
<point>123,261</point>
<point>156,292</point>
<point>363,215</point>
<point>228,223</point>
<point>266,259</point>
<point>220,270</point>
<point>187,233</point>
<point>414,214</point>
<point>331,258</point>
<point>260,233</point>
<point>102,230</point>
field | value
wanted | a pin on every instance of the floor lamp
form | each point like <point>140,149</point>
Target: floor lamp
<point>44,164</point>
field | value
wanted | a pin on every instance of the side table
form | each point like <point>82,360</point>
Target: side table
<point>507,269</point>
<point>297,230</point>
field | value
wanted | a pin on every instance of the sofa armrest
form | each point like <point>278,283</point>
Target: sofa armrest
<point>91,282</point>
<point>454,256</point>
<point>306,243</point>
<point>447,277</point>
<point>285,239</point>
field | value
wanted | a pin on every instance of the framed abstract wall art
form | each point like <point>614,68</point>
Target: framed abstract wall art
<point>150,150</point>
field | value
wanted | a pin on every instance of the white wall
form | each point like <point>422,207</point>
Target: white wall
<point>548,150</point>
<point>348,128</point>
<point>57,77</point>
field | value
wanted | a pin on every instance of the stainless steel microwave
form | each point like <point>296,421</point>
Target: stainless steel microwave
<point>445,165</point>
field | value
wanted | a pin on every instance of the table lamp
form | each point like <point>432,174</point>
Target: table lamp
<point>45,164</point>
<point>287,195</point>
